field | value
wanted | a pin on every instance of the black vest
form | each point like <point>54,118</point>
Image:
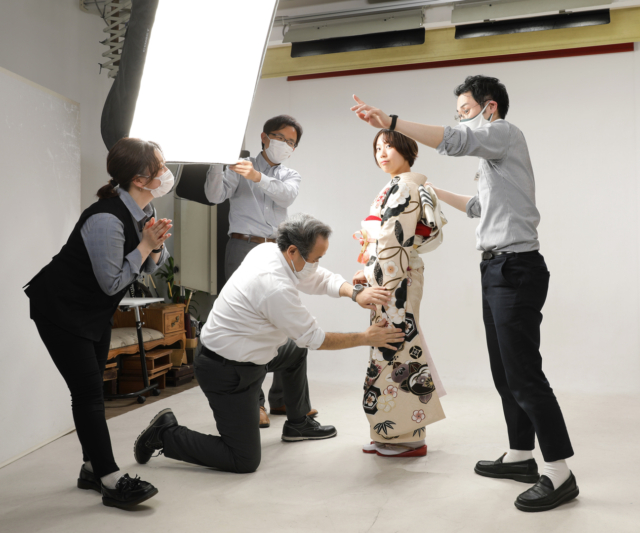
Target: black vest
<point>67,292</point>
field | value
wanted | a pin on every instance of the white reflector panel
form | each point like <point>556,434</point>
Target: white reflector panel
<point>200,75</point>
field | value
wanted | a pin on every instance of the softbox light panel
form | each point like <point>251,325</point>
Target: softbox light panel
<point>202,67</point>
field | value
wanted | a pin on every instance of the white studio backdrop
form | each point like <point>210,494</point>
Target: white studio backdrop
<point>40,203</point>
<point>200,76</point>
<point>581,119</point>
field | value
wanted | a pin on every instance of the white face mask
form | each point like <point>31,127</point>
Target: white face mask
<point>278,151</point>
<point>308,270</point>
<point>478,121</point>
<point>166,184</point>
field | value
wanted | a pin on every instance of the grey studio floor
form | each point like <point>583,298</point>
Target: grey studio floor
<point>331,486</point>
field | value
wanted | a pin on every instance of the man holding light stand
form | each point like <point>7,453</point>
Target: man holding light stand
<point>259,191</point>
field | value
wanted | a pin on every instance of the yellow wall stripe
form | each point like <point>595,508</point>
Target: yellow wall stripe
<point>441,45</point>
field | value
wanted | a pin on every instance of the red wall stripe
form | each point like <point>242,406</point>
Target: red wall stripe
<point>529,56</point>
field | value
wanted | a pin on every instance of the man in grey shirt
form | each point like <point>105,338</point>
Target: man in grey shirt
<point>515,281</point>
<point>259,192</point>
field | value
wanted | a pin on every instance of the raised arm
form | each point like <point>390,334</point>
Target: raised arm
<point>489,142</point>
<point>282,191</point>
<point>220,184</point>
<point>430,136</point>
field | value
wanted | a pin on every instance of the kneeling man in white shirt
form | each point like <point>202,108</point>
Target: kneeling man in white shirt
<point>258,325</point>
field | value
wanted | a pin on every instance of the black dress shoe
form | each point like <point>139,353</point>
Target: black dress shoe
<point>543,497</point>
<point>307,430</point>
<point>150,439</point>
<point>87,480</point>
<point>128,492</point>
<point>524,471</point>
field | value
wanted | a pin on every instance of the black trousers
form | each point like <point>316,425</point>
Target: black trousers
<point>233,393</point>
<point>235,253</point>
<point>81,363</point>
<point>514,289</point>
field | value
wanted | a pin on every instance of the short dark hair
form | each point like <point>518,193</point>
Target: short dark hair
<point>302,231</point>
<point>484,88</point>
<point>279,122</point>
<point>130,157</point>
<point>405,146</point>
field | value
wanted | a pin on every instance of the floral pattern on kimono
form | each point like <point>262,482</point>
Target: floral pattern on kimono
<point>400,397</point>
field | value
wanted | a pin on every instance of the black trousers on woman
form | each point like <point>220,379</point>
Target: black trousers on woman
<point>514,289</point>
<point>81,363</point>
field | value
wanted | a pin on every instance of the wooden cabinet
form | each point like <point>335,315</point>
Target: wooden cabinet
<point>167,318</point>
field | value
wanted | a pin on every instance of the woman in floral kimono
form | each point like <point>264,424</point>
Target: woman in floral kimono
<point>402,389</point>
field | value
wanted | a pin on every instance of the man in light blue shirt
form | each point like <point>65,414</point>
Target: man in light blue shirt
<point>259,191</point>
<point>515,282</point>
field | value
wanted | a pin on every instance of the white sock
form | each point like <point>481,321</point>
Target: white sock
<point>110,480</point>
<point>557,471</point>
<point>88,466</point>
<point>514,456</point>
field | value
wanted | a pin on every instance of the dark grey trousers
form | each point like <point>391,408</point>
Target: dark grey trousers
<point>233,393</point>
<point>237,250</point>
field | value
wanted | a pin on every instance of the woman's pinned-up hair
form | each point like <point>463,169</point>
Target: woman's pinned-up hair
<point>405,146</point>
<point>301,230</point>
<point>129,157</point>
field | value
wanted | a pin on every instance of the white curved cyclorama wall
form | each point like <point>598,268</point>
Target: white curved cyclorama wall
<point>581,119</point>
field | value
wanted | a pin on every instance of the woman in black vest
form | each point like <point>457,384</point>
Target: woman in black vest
<point>74,297</point>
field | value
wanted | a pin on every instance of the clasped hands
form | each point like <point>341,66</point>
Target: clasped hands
<point>155,232</point>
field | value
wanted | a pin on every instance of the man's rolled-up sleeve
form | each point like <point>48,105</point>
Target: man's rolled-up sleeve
<point>474,209</point>
<point>283,308</point>
<point>323,282</point>
<point>489,142</point>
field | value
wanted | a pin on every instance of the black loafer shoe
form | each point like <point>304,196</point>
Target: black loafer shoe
<point>524,471</point>
<point>87,480</point>
<point>543,497</point>
<point>307,430</point>
<point>150,439</point>
<point>128,493</point>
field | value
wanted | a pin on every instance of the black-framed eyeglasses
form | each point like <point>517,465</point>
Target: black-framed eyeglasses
<point>464,115</point>
<point>282,138</point>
